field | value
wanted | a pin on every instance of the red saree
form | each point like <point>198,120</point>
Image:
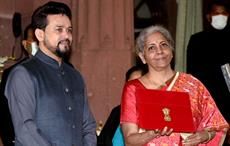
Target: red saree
<point>204,110</point>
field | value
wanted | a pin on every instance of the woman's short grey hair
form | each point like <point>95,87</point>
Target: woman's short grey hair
<point>144,34</point>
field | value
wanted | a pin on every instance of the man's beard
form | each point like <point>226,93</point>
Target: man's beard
<point>63,49</point>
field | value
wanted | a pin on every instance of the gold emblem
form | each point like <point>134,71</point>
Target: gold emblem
<point>166,112</point>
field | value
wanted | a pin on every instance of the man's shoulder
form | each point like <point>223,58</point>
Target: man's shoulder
<point>71,68</point>
<point>200,34</point>
<point>28,60</point>
<point>200,37</point>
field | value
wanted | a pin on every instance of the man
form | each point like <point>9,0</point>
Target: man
<point>46,96</point>
<point>6,125</point>
<point>30,42</point>
<point>208,50</point>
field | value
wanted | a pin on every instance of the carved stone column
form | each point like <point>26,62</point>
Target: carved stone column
<point>103,49</point>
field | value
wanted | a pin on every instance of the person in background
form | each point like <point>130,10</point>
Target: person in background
<point>6,125</point>
<point>155,47</point>
<point>30,41</point>
<point>46,96</point>
<point>111,134</point>
<point>208,50</point>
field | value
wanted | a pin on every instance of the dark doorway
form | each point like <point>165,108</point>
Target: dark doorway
<point>151,12</point>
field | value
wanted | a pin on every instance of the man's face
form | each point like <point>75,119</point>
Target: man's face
<point>28,42</point>
<point>58,35</point>
<point>218,17</point>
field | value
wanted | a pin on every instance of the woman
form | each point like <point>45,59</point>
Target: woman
<point>155,47</point>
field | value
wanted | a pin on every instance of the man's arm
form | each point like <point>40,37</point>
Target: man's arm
<point>190,54</point>
<point>20,93</point>
<point>89,126</point>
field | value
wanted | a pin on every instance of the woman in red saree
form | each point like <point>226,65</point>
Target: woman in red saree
<point>155,48</point>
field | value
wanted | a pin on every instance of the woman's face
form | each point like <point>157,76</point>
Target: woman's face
<point>157,52</point>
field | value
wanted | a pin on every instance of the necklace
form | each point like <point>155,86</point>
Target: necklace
<point>160,84</point>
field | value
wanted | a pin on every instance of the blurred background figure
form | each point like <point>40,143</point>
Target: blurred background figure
<point>111,134</point>
<point>208,50</point>
<point>29,41</point>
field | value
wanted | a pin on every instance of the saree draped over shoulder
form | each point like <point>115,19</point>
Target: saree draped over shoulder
<point>205,113</point>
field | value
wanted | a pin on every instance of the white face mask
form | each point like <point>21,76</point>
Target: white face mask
<point>219,21</point>
<point>34,48</point>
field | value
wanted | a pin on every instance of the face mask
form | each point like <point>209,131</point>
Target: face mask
<point>34,48</point>
<point>219,21</point>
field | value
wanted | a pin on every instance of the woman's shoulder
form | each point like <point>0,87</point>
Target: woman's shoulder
<point>134,83</point>
<point>190,80</point>
<point>188,76</point>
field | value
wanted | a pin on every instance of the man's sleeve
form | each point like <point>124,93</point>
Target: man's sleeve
<point>89,126</point>
<point>191,49</point>
<point>20,93</point>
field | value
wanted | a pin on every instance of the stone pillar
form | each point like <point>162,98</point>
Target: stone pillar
<point>103,49</point>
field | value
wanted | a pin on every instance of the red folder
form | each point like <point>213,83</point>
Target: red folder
<point>157,109</point>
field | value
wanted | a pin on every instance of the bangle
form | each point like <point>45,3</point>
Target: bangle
<point>209,137</point>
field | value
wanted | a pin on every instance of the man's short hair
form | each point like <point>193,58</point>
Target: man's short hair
<point>224,3</point>
<point>39,17</point>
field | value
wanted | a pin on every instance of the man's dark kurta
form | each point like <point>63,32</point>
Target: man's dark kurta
<point>48,104</point>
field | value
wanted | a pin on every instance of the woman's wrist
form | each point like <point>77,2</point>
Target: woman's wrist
<point>210,135</point>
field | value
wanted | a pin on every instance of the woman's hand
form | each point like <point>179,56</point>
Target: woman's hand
<point>198,138</point>
<point>164,132</point>
<point>134,136</point>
